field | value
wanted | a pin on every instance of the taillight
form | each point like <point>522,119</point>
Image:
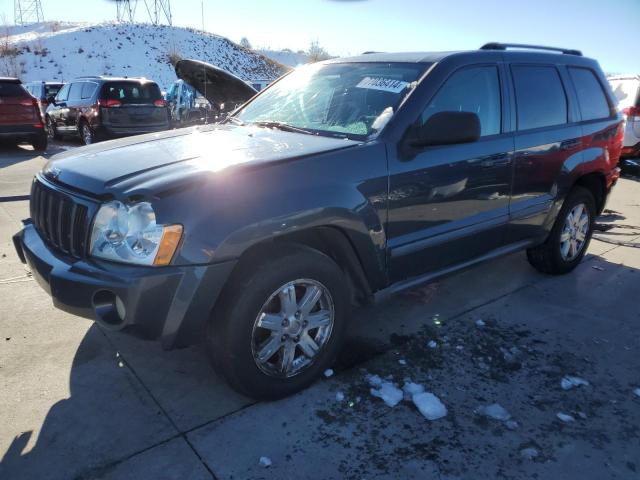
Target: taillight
<point>631,112</point>
<point>29,102</point>
<point>160,103</point>
<point>109,103</point>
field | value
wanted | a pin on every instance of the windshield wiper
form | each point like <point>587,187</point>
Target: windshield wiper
<point>283,126</point>
<point>235,120</point>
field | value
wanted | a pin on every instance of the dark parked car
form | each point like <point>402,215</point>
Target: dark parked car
<point>45,92</point>
<point>98,108</point>
<point>20,117</point>
<point>343,182</point>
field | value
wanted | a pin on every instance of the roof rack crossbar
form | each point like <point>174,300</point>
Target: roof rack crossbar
<point>504,46</point>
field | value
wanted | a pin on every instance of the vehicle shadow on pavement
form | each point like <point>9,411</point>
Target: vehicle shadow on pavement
<point>11,154</point>
<point>129,399</point>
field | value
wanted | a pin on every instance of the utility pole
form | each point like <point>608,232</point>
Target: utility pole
<point>125,11</point>
<point>26,12</point>
<point>157,9</point>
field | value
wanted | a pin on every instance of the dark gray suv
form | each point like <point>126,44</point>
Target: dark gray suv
<point>99,108</point>
<point>343,182</point>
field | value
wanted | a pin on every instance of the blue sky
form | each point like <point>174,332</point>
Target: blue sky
<point>604,29</point>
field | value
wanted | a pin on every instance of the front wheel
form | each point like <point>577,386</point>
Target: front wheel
<point>280,324</point>
<point>569,239</point>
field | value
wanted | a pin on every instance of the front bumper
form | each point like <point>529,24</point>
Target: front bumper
<point>171,304</point>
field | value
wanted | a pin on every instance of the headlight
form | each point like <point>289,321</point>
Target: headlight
<point>129,233</point>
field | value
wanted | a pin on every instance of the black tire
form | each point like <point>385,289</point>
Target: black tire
<point>52,132</point>
<point>87,136</point>
<point>548,258</point>
<point>231,327</point>
<point>40,142</point>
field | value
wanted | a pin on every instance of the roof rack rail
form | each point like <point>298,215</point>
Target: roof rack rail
<point>504,46</point>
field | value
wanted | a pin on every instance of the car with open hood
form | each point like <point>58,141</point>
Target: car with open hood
<point>204,93</point>
<point>342,183</point>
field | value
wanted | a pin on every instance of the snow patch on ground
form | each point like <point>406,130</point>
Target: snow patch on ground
<point>265,462</point>
<point>569,381</point>
<point>565,417</point>
<point>389,393</point>
<point>339,396</point>
<point>636,392</point>
<point>432,344</point>
<point>495,411</point>
<point>328,372</point>
<point>429,405</point>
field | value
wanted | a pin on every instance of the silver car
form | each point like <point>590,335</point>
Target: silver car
<point>627,91</point>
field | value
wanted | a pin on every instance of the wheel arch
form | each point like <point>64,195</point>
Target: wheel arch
<point>331,241</point>
<point>595,182</point>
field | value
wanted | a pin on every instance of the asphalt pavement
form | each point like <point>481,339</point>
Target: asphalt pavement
<point>81,402</point>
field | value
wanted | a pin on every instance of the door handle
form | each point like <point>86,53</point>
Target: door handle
<point>497,160</point>
<point>570,144</point>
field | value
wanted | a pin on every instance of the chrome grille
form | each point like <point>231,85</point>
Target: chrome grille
<point>59,219</point>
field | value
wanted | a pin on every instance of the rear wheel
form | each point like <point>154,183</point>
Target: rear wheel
<point>570,236</point>
<point>40,142</point>
<point>86,133</point>
<point>280,325</point>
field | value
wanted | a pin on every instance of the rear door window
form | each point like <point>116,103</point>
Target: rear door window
<point>131,92</point>
<point>75,91</point>
<point>591,98</point>
<point>12,90</point>
<point>473,89</point>
<point>51,90</point>
<point>540,97</point>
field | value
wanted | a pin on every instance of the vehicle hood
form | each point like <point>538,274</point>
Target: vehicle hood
<point>153,162</point>
<point>216,85</point>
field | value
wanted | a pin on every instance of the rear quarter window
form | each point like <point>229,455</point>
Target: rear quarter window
<point>591,98</point>
<point>540,97</point>
<point>88,89</point>
<point>74,92</point>
<point>12,90</point>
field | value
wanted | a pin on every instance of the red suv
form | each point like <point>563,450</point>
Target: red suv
<point>20,118</point>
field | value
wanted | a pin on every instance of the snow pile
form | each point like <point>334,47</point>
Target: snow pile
<point>410,389</point>
<point>265,462</point>
<point>429,405</point>
<point>63,51</point>
<point>389,393</point>
<point>564,417</point>
<point>432,344</point>
<point>529,453</point>
<point>480,323</point>
<point>568,382</point>
<point>328,373</point>
<point>495,411</point>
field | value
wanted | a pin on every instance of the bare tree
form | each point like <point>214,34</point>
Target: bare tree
<point>244,42</point>
<point>316,52</point>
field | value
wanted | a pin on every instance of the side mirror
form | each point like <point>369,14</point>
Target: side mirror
<point>447,128</point>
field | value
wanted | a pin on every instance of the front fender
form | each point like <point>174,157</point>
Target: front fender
<point>235,210</point>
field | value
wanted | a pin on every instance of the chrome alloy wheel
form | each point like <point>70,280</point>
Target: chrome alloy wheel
<point>87,135</point>
<point>574,232</point>
<point>293,326</point>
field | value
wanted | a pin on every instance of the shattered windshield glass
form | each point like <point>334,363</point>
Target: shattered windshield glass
<point>354,100</point>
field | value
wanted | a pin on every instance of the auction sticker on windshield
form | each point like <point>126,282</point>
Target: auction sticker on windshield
<point>384,84</point>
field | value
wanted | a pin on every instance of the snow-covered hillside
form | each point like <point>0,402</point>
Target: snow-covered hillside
<point>63,51</point>
<point>286,57</point>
